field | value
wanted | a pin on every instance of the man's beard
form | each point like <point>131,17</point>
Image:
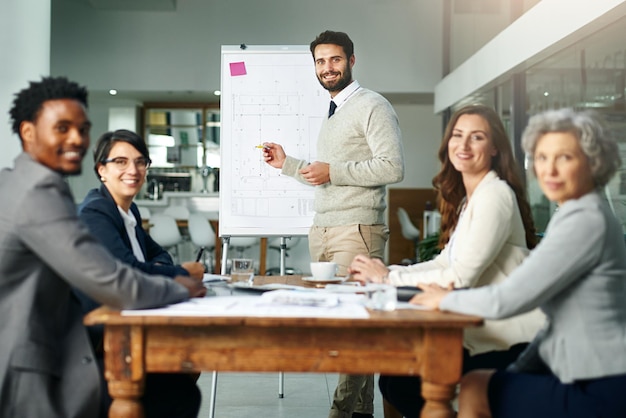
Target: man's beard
<point>340,84</point>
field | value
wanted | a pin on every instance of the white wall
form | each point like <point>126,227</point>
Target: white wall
<point>124,118</point>
<point>398,44</point>
<point>398,47</point>
<point>475,23</point>
<point>421,134</point>
<point>25,51</point>
<point>86,180</point>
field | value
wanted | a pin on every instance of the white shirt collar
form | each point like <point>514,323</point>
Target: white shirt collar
<point>346,93</point>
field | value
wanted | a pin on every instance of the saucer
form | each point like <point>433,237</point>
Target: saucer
<point>261,288</point>
<point>316,282</point>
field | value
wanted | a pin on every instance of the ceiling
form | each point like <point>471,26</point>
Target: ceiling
<point>145,5</point>
<point>194,96</point>
<point>604,51</point>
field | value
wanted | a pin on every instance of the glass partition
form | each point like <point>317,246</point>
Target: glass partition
<point>588,75</point>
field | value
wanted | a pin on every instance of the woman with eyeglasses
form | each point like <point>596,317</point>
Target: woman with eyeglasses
<point>121,160</point>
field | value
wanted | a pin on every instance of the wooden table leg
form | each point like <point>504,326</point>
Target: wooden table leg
<point>125,396</point>
<point>438,400</point>
<point>262,256</point>
<point>441,371</point>
<point>124,370</point>
<point>218,246</point>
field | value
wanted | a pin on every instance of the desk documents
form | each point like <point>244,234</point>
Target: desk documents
<point>276,304</point>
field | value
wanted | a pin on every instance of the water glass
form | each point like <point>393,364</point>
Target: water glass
<point>242,270</point>
<point>381,297</point>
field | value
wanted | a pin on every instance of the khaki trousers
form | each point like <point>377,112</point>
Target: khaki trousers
<point>354,393</point>
<point>341,243</point>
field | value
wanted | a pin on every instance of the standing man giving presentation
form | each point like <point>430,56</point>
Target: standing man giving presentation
<point>359,151</point>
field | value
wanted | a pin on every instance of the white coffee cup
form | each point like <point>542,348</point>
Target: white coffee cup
<point>323,270</point>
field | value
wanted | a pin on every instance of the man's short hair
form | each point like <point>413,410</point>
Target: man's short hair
<point>336,38</point>
<point>28,102</point>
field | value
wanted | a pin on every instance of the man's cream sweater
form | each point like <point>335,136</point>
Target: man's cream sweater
<point>362,144</point>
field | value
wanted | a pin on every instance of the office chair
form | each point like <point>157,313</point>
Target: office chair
<point>202,236</point>
<point>409,231</point>
<point>165,232</point>
<point>144,212</point>
<point>241,244</point>
<point>177,212</point>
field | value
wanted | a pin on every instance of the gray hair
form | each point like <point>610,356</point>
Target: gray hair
<point>593,135</point>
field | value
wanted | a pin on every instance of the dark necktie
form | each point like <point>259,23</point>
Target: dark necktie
<point>331,109</point>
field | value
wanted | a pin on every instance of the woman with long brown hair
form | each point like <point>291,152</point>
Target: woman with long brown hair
<point>486,232</point>
<point>449,181</point>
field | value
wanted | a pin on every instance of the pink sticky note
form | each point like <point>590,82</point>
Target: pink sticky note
<point>237,68</point>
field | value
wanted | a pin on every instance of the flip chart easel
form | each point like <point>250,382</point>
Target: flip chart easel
<point>268,94</point>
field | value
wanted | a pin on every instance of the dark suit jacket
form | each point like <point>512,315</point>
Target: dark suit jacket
<point>47,366</point>
<point>99,212</point>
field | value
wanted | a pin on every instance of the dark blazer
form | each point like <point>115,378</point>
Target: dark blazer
<point>99,212</point>
<point>47,366</point>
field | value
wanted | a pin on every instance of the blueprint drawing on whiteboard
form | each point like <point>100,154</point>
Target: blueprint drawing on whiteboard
<point>269,94</point>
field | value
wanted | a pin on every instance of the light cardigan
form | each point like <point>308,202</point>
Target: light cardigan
<point>362,144</point>
<point>489,243</point>
<point>577,275</point>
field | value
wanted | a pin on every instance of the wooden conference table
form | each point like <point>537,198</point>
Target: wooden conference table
<point>402,342</point>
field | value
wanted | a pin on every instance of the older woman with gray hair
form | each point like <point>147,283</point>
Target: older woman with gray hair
<point>576,365</point>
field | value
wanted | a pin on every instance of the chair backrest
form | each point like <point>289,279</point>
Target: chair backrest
<point>241,243</point>
<point>177,211</point>
<point>201,232</point>
<point>164,230</point>
<point>144,212</point>
<point>409,231</point>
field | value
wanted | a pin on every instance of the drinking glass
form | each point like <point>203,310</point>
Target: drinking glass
<point>242,270</point>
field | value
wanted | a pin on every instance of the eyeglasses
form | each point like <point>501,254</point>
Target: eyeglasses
<point>122,163</point>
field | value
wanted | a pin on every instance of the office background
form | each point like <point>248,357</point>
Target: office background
<point>426,56</point>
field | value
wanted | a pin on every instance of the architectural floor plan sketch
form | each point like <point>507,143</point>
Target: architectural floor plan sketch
<point>267,96</point>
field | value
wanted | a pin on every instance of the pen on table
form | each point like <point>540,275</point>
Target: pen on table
<point>199,256</point>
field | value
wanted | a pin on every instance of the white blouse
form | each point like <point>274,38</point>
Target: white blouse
<point>130,222</point>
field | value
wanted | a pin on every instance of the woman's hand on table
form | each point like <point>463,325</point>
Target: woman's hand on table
<point>195,270</point>
<point>195,287</point>
<point>368,270</point>
<point>431,295</point>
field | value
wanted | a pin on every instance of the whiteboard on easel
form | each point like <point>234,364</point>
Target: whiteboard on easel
<point>269,94</point>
